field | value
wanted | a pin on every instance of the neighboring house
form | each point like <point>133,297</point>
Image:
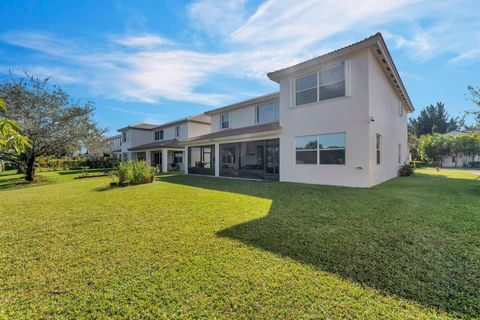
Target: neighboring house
<point>338,119</point>
<point>161,145</point>
<point>460,160</point>
<point>114,145</point>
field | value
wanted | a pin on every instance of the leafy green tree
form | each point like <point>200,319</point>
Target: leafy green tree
<point>10,138</point>
<point>434,147</point>
<point>434,119</point>
<point>54,123</point>
<point>475,93</point>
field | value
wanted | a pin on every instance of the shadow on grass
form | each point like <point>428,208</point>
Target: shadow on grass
<point>18,183</point>
<point>380,237</point>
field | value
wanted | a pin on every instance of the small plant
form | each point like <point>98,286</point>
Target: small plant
<point>406,170</point>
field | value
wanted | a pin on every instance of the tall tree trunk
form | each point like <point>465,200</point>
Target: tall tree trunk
<point>30,170</point>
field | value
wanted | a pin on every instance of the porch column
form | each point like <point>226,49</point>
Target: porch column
<point>164,160</point>
<point>148,157</point>
<point>185,160</point>
<point>217,160</point>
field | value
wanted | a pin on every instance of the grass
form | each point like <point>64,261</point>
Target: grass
<point>194,247</point>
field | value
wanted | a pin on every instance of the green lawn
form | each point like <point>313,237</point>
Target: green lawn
<point>194,247</point>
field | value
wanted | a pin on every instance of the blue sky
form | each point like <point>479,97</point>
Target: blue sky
<point>155,61</point>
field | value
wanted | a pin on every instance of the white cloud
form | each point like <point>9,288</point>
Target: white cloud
<point>279,33</point>
<point>146,41</point>
<point>217,17</point>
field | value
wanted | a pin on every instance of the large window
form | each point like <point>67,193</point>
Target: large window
<point>323,85</point>
<point>267,112</point>
<point>201,160</point>
<point>378,146</point>
<point>225,120</point>
<point>321,149</point>
<point>124,136</point>
<point>159,135</point>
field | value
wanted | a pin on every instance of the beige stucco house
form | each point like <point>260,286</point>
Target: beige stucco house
<point>338,119</point>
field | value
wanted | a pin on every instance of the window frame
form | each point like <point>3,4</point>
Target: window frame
<point>399,153</point>
<point>177,131</point>
<point>318,150</point>
<point>222,121</point>
<point>276,112</point>
<point>124,137</point>
<point>378,148</point>
<point>346,79</point>
<point>160,135</point>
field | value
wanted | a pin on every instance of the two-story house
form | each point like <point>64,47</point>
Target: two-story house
<point>338,119</point>
<point>114,145</point>
<point>161,145</point>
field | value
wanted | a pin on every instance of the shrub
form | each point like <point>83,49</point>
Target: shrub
<point>142,173</point>
<point>135,172</point>
<point>125,172</point>
<point>406,170</point>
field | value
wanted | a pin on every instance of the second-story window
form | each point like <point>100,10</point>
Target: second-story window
<point>177,131</point>
<point>124,136</point>
<point>225,120</point>
<point>267,112</point>
<point>159,135</point>
<point>323,85</point>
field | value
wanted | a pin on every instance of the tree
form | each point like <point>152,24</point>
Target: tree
<point>54,123</point>
<point>434,119</point>
<point>475,93</point>
<point>10,138</point>
<point>434,147</point>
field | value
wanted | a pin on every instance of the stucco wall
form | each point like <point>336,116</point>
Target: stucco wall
<point>241,117</point>
<point>385,108</point>
<point>197,129</point>
<point>345,114</point>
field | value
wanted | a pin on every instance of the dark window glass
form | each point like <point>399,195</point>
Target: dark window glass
<point>306,89</point>
<point>306,96</point>
<point>306,157</point>
<point>225,120</point>
<point>307,82</point>
<point>378,147</point>
<point>331,75</point>
<point>332,156</point>
<point>333,90</point>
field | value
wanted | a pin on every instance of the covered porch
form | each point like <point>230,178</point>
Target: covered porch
<point>167,155</point>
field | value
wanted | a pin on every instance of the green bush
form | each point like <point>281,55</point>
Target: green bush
<point>68,163</point>
<point>139,172</point>
<point>142,173</point>
<point>406,170</point>
<point>125,172</point>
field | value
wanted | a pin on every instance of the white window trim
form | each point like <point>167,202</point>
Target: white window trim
<point>221,120</point>
<point>346,68</point>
